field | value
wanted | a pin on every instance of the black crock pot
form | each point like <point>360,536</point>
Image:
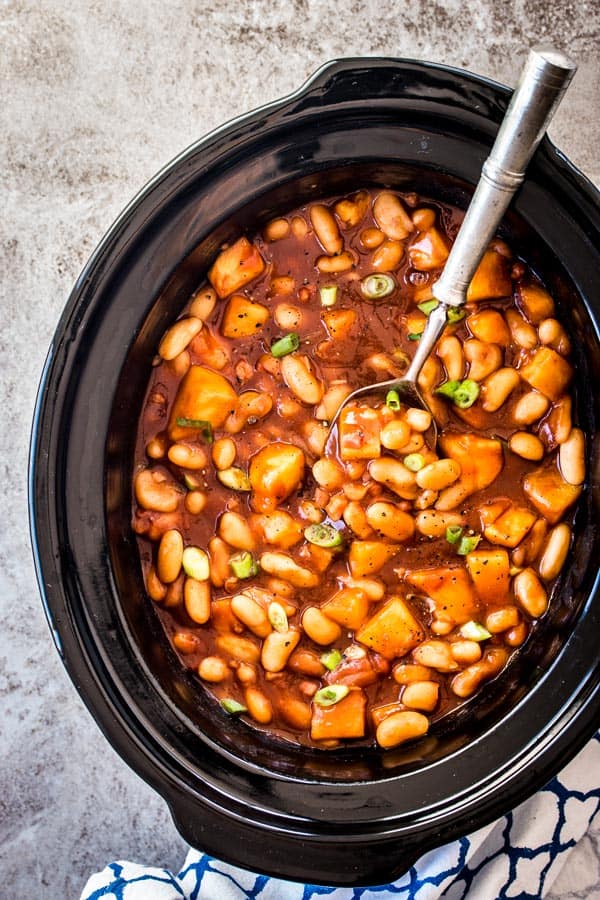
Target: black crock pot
<point>341,817</point>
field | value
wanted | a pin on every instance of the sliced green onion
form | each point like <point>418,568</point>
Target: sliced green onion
<point>466,544</point>
<point>462,393</point>
<point>454,534</point>
<point>196,563</point>
<point>466,394</point>
<point>448,389</point>
<point>377,286</point>
<point>243,565</point>
<point>233,707</point>
<point>392,399</point>
<point>285,345</point>
<point>323,535</point>
<point>427,306</point>
<point>455,314</point>
<point>473,631</point>
<point>413,336</point>
<point>192,482</point>
<point>234,478</point>
<point>201,425</point>
<point>328,294</point>
<point>333,693</point>
<point>331,660</point>
<point>278,617</point>
<point>414,461</point>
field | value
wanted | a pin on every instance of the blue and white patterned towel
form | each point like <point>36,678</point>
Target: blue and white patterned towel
<point>519,855</point>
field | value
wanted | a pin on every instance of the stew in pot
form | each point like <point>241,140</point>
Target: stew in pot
<point>356,589</point>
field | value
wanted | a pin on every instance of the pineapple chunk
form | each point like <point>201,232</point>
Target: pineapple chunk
<point>489,571</point>
<point>429,250</point>
<point>489,326</point>
<point>510,528</point>
<point>279,529</point>
<point>235,267</point>
<point>392,631</point>
<point>481,462</point>
<point>339,322</point>
<point>548,372</point>
<point>319,558</point>
<point>203,396</point>
<point>243,317</point>
<point>535,302</point>
<point>358,433</point>
<point>351,210</point>
<point>492,278</point>
<point>349,608</point>
<point>451,591</point>
<point>379,713</point>
<point>368,557</point>
<point>492,510</point>
<point>551,495</point>
<point>211,349</point>
<point>345,719</point>
<point>275,472</point>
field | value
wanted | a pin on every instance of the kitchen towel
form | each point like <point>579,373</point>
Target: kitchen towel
<point>518,856</point>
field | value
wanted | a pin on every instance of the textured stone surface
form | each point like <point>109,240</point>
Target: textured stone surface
<point>96,96</point>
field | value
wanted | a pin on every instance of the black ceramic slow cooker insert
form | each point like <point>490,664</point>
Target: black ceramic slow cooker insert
<point>343,817</point>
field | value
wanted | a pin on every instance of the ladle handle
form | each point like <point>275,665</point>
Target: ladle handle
<point>544,79</point>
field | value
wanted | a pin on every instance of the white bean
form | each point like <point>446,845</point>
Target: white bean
<point>497,388</point>
<point>530,593</point>
<point>555,552</point>
<point>571,457</point>
<point>178,337</point>
<point>300,379</point>
<point>438,475</point>
<point>235,530</point>
<point>326,229</point>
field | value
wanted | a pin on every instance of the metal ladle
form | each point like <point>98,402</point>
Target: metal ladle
<point>544,80</point>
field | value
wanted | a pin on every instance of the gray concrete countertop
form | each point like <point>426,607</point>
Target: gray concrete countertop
<point>96,96</point>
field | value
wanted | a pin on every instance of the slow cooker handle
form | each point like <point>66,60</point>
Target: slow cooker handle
<point>296,855</point>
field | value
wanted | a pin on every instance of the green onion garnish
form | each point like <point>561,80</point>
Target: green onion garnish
<point>201,425</point>
<point>413,336</point>
<point>392,399</point>
<point>462,393</point>
<point>454,533</point>
<point>285,345</point>
<point>333,693</point>
<point>466,394</point>
<point>243,565</point>
<point>278,617</point>
<point>473,631</point>
<point>466,544</point>
<point>414,462</point>
<point>234,478</point>
<point>323,536</point>
<point>455,314</point>
<point>377,286</point>
<point>427,306</point>
<point>233,707</point>
<point>448,389</point>
<point>331,660</point>
<point>196,563</point>
<point>328,294</point>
